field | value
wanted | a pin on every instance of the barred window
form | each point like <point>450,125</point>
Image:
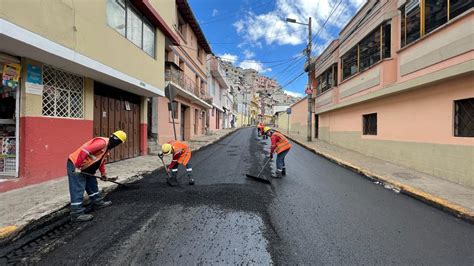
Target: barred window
<point>464,118</point>
<point>63,94</point>
<point>369,123</point>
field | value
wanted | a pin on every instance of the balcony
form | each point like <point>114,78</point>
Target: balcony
<point>218,73</point>
<point>187,87</point>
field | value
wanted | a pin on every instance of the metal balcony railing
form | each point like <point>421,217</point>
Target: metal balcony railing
<point>179,78</point>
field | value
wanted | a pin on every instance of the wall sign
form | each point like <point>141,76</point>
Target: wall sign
<point>34,80</point>
<point>11,75</point>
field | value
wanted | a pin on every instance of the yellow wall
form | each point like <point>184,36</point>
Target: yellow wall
<point>82,27</point>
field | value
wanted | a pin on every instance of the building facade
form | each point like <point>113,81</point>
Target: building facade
<point>398,85</point>
<point>62,84</point>
<point>186,72</point>
<point>219,89</point>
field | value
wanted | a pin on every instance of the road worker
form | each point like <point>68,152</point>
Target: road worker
<point>82,165</point>
<point>260,127</point>
<point>281,146</point>
<point>181,155</point>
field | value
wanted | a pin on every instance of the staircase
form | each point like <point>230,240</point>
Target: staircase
<point>153,147</point>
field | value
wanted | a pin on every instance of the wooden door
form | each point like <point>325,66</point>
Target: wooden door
<point>136,130</point>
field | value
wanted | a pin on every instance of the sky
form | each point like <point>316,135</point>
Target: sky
<point>255,34</point>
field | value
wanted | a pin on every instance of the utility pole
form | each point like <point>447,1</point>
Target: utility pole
<point>310,95</point>
<point>308,62</point>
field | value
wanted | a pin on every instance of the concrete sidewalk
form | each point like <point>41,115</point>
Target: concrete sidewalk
<point>20,208</point>
<point>449,196</point>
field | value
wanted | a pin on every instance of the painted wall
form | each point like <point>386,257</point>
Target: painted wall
<point>165,126</point>
<point>414,129</point>
<point>299,117</point>
<point>82,27</point>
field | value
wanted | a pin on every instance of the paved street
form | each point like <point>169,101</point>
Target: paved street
<point>320,213</point>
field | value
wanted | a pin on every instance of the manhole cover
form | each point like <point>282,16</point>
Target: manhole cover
<point>405,175</point>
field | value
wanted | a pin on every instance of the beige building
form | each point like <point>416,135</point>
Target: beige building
<point>72,70</point>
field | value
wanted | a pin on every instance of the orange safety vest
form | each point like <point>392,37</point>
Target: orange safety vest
<point>181,147</point>
<point>91,158</point>
<point>283,144</point>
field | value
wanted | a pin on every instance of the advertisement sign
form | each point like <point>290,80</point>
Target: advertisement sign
<point>34,80</point>
<point>11,75</point>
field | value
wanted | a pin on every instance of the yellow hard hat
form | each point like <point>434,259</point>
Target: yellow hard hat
<point>120,135</point>
<point>266,129</point>
<point>166,148</point>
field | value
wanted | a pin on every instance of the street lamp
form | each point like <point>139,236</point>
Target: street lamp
<point>308,54</point>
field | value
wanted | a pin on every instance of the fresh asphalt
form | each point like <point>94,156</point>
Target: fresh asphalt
<point>320,213</point>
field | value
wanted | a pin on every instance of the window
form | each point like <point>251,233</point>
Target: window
<point>116,15</point>
<point>199,53</point>
<point>434,14</point>
<point>125,19</point>
<point>63,94</point>
<point>350,65</point>
<point>386,39</point>
<point>464,118</point>
<point>182,27</point>
<point>327,79</point>
<point>457,7</point>
<point>369,124</point>
<point>370,50</point>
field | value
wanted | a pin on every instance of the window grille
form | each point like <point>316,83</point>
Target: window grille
<point>63,94</point>
<point>370,124</point>
<point>464,118</point>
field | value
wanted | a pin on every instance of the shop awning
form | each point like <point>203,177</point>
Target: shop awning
<point>18,41</point>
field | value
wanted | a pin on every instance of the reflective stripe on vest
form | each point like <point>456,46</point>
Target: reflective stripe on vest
<point>91,158</point>
<point>184,149</point>
<point>283,144</point>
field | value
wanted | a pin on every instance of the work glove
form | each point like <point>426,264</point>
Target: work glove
<point>77,170</point>
<point>103,178</point>
<point>160,154</point>
<point>271,156</point>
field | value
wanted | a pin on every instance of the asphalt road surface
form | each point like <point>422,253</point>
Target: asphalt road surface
<point>320,213</point>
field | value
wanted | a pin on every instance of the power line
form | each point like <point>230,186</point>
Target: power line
<point>236,13</point>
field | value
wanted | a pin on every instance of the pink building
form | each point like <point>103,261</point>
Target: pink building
<point>186,71</point>
<point>398,85</point>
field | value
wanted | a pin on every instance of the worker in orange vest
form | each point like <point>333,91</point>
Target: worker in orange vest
<point>181,155</point>
<point>260,127</point>
<point>82,165</point>
<point>281,146</point>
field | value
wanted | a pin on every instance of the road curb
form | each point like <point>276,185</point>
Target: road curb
<point>11,233</point>
<point>413,192</point>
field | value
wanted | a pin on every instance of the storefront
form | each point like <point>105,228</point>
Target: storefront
<point>10,70</point>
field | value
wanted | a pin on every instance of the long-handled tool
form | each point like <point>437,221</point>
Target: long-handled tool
<point>107,180</point>
<point>167,173</point>
<point>257,177</point>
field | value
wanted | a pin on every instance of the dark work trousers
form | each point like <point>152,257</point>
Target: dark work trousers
<point>78,183</point>
<point>189,171</point>
<point>280,161</point>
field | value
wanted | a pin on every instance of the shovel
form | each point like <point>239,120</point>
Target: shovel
<point>257,177</point>
<point>112,179</point>
<point>167,173</point>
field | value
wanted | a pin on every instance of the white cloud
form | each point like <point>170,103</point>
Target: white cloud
<point>229,57</point>
<point>256,65</point>
<point>294,94</point>
<point>271,27</point>
<point>215,12</point>
<point>248,54</point>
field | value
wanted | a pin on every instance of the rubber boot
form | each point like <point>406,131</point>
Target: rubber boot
<point>81,217</point>
<point>102,204</point>
<point>283,172</point>
<point>191,180</point>
<point>277,174</point>
<point>173,180</point>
